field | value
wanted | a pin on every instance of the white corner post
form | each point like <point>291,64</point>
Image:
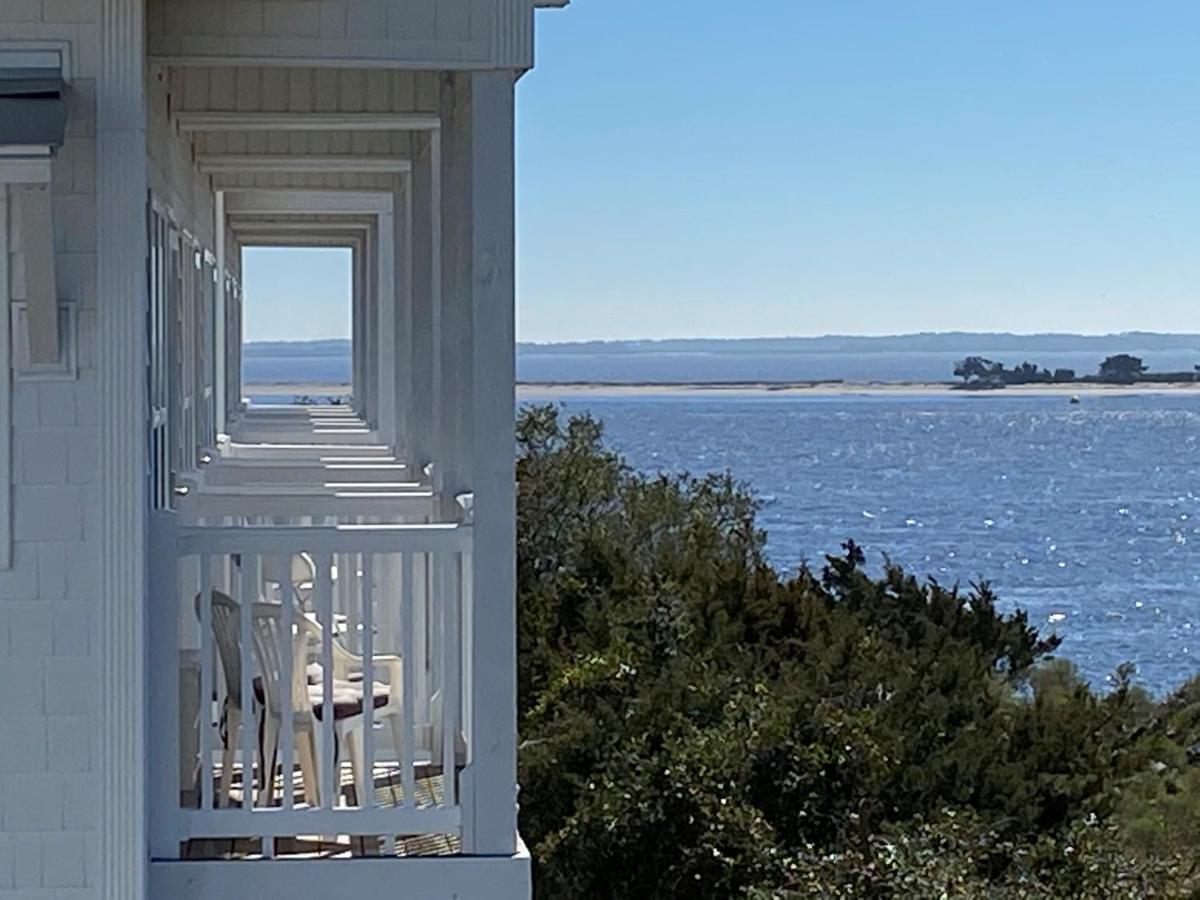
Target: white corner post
<point>121,354</point>
<point>220,330</point>
<point>490,785</point>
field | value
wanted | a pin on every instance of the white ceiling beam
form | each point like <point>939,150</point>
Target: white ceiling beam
<point>255,223</point>
<point>301,201</point>
<point>297,240</point>
<point>290,121</point>
<point>281,164</point>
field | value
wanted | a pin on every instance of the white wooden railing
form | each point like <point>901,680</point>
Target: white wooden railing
<point>302,620</point>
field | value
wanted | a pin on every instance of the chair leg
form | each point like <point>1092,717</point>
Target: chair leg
<point>308,768</point>
<point>398,737</point>
<point>268,754</point>
<point>354,747</point>
<point>233,721</point>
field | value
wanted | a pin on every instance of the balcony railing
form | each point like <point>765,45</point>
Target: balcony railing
<point>309,687</point>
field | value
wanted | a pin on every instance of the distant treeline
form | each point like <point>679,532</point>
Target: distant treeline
<point>923,342</point>
<point>977,372</point>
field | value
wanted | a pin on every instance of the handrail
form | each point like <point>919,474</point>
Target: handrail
<point>268,540</point>
<point>336,504</point>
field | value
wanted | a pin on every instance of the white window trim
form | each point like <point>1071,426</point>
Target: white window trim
<point>66,367</point>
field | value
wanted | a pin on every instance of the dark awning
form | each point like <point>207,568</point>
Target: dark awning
<point>33,110</point>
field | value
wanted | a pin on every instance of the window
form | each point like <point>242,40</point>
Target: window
<point>181,360</point>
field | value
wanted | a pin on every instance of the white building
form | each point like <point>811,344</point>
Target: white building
<point>195,594</point>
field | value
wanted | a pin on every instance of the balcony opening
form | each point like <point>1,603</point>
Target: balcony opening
<point>297,321</point>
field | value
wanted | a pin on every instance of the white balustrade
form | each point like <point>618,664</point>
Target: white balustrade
<point>323,651</point>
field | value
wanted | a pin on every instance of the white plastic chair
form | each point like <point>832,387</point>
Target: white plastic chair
<point>307,693</point>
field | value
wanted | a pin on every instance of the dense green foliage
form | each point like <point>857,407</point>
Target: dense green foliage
<point>695,725</point>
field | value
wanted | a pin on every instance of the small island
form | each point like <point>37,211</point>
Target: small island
<point>981,374</point>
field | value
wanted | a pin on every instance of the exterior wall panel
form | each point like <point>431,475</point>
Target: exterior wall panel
<point>49,667</point>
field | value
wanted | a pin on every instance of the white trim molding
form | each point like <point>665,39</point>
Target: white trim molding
<point>66,366</point>
<point>5,395</point>
<point>189,122</point>
<point>37,55</point>
<point>122,297</point>
<point>214,164</point>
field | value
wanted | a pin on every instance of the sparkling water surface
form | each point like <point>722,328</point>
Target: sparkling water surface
<point>1086,516</point>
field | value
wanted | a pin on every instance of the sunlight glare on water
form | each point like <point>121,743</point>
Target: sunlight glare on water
<point>1086,516</point>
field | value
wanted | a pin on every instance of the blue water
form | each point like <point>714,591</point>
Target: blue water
<point>1086,516</point>
<point>282,363</point>
<point>281,368</point>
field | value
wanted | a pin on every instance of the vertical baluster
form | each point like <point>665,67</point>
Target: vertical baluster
<point>288,640</point>
<point>246,653</point>
<point>366,787</point>
<point>435,603</point>
<point>408,651</point>
<point>354,611</point>
<point>467,654</point>
<point>448,596</point>
<point>420,638</point>
<point>389,585</point>
<point>324,589</point>
<point>204,716</point>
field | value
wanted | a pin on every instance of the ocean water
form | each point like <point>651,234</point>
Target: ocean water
<point>1086,516</point>
<point>330,363</point>
<point>282,367</point>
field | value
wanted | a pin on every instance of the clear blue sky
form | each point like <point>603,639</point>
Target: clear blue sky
<point>795,167</point>
<point>296,294</point>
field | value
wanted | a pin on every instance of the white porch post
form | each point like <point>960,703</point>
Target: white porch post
<point>220,333</point>
<point>490,782</point>
<point>121,351</point>
<point>403,350</point>
<point>384,325</point>
<point>426,278</point>
<point>239,339</point>
<point>371,326</point>
<point>357,383</point>
<point>454,419</point>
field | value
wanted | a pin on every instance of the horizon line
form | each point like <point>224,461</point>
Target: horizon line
<point>794,337</point>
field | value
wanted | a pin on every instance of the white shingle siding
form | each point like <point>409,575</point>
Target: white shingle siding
<point>49,804</point>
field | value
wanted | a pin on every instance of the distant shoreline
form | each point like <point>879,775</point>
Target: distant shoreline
<point>556,390</point>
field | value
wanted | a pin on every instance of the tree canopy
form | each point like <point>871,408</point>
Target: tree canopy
<point>695,724</point>
<point>1121,368</point>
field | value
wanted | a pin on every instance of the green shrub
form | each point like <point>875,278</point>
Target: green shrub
<point>695,725</point>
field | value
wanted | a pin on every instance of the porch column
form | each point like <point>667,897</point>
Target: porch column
<point>457,361</point>
<point>220,332</point>
<point>239,338</point>
<point>371,326</point>
<point>403,350</point>
<point>385,324</point>
<point>483,119</point>
<point>357,383</point>
<point>121,359</point>
<point>426,303</point>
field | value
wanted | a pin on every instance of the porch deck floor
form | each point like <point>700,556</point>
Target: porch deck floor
<point>389,792</point>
